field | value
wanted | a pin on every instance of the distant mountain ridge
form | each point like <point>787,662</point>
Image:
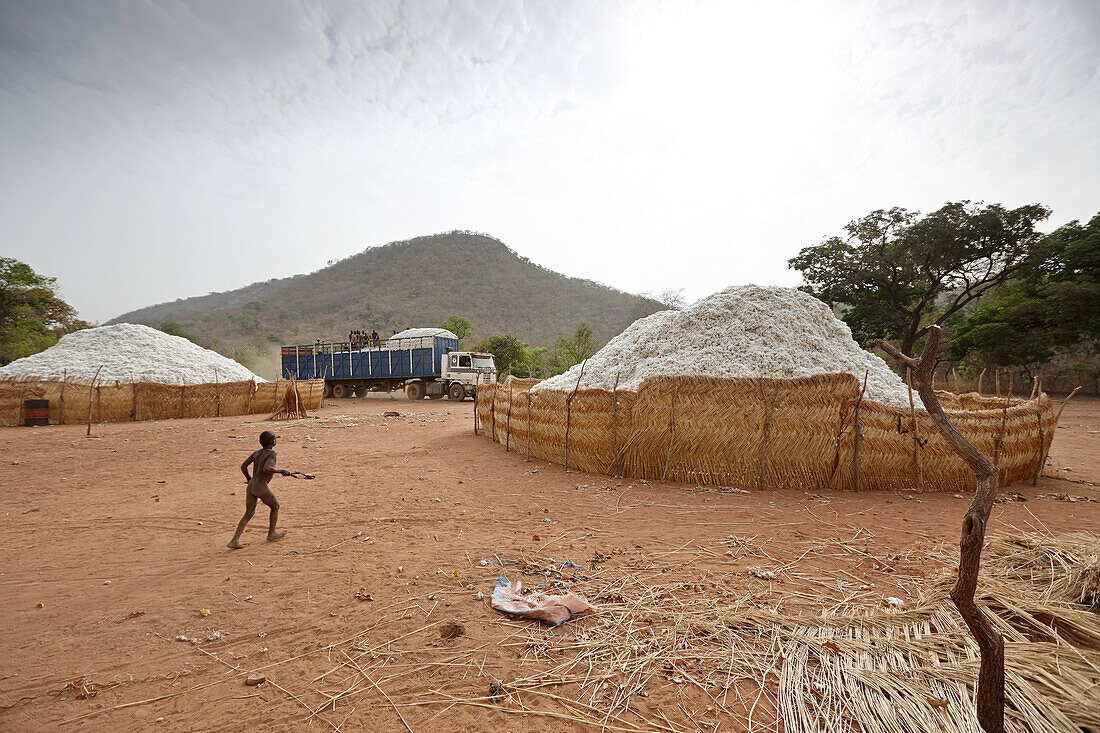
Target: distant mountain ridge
<point>416,282</point>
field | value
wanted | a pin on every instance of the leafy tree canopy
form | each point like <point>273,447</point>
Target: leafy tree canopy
<point>459,326</point>
<point>513,356</point>
<point>32,314</point>
<point>571,350</point>
<point>898,272</point>
<point>1052,307</point>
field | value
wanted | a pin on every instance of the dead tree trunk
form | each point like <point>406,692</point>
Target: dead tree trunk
<point>991,674</point>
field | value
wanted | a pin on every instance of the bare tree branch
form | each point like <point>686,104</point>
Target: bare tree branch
<point>991,674</point>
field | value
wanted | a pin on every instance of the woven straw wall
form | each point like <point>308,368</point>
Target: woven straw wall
<point>768,433</point>
<point>125,401</point>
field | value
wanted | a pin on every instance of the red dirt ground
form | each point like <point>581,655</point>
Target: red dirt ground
<point>113,543</point>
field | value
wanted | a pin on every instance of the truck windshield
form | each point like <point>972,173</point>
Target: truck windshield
<point>484,362</point>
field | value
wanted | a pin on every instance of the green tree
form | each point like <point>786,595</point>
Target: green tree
<point>897,273</point>
<point>1052,307</point>
<point>571,350</point>
<point>537,362</point>
<point>175,328</point>
<point>32,314</point>
<point>513,356</point>
<point>459,326</point>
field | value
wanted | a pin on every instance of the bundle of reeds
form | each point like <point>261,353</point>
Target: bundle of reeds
<point>1068,565</point>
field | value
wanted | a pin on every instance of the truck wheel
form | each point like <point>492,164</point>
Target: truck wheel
<point>328,390</point>
<point>341,391</point>
<point>415,391</point>
<point>456,392</point>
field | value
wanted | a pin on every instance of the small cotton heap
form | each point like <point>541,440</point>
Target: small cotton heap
<point>417,338</point>
<point>743,331</point>
<point>128,351</point>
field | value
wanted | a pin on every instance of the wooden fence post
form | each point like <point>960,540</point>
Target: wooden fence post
<point>671,431</point>
<point>477,385</point>
<point>528,424</point>
<point>569,411</point>
<point>615,424</point>
<point>769,412</point>
<point>90,387</point>
<point>251,391</point>
<point>859,427</point>
<point>64,381</point>
<point>508,424</point>
<point>1057,417</point>
<point>493,413</point>
<point>1042,438</point>
<point>1001,434</point>
<point>916,431</point>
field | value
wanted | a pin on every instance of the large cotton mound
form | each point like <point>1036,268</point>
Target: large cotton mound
<point>129,351</point>
<point>744,331</point>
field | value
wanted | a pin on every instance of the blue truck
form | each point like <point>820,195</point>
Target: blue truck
<point>427,365</point>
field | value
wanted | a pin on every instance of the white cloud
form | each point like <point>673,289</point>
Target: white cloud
<point>154,150</point>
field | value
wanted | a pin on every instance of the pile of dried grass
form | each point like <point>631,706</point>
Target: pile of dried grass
<point>729,655</point>
<point>1069,565</point>
<point>1083,582</point>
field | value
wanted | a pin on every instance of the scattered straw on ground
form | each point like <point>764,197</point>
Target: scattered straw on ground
<point>737,656</point>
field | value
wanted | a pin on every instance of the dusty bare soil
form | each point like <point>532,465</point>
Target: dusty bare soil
<point>114,546</point>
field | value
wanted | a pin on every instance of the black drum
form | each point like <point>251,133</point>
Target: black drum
<point>36,412</point>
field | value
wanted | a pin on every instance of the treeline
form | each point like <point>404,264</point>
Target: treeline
<point>1012,301</point>
<point>33,315</point>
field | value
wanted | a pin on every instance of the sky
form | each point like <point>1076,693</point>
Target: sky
<point>152,150</point>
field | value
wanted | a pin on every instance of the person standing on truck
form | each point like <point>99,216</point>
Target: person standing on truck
<point>263,462</point>
<point>374,338</point>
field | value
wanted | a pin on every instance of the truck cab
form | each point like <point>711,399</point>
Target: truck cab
<point>463,371</point>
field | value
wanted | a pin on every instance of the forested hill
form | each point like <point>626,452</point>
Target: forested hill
<point>418,282</point>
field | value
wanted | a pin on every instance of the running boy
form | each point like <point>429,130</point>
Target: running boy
<point>263,462</point>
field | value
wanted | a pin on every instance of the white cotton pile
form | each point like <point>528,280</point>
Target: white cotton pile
<point>417,338</point>
<point>128,351</point>
<point>743,331</point>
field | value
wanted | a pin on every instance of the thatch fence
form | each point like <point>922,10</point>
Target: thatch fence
<point>112,401</point>
<point>805,432</point>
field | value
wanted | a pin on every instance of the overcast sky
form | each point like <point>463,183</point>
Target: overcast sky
<point>154,150</point>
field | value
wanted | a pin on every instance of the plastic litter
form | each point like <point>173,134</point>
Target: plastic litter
<point>553,610</point>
